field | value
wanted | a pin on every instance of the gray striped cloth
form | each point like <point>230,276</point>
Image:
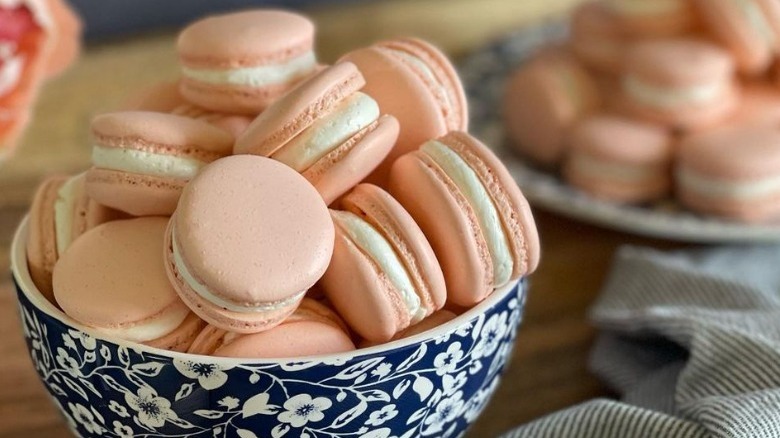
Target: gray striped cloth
<point>691,342</point>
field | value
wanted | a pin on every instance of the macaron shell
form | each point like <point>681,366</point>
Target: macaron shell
<point>235,124</point>
<point>448,222</point>
<point>207,340</point>
<point>622,192</point>
<point>347,165</point>
<point>42,239</point>
<point>725,20</point>
<point>111,294</point>
<point>181,338</point>
<point>674,22</point>
<point>162,133</point>
<point>456,112</point>
<point>394,223</point>
<point>679,62</point>
<point>135,194</point>
<point>246,38</point>
<point>246,100</point>
<point>364,296</point>
<point>763,210</point>
<point>298,339</point>
<point>597,39</point>
<point>714,154</point>
<point>513,208</point>
<point>299,109</point>
<point>401,93</point>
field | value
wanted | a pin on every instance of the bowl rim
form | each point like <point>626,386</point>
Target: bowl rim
<point>23,280</point>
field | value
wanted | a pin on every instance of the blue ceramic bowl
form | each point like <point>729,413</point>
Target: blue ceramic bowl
<point>433,384</point>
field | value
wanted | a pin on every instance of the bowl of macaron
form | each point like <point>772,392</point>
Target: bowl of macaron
<point>272,247</point>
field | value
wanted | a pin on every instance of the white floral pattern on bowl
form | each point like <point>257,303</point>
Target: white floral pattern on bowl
<point>433,384</point>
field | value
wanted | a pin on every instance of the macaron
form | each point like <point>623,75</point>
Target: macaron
<point>384,275</point>
<point>620,159</point>
<point>415,82</point>
<point>142,160</point>
<point>434,320</point>
<point>749,28</point>
<point>113,279</point>
<point>652,18</point>
<point>686,84</point>
<point>235,124</point>
<point>249,237</point>
<point>543,100</point>
<point>468,206</point>
<point>313,329</point>
<point>733,173</point>
<point>327,129</point>
<point>60,212</point>
<point>597,39</point>
<point>239,63</point>
<point>759,105</point>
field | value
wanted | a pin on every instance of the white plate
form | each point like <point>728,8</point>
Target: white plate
<point>484,73</point>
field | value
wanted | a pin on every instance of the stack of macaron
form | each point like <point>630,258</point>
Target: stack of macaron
<point>655,99</point>
<point>267,205</point>
<point>38,40</point>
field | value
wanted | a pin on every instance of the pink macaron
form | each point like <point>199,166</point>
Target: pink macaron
<point>434,320</point>
<point>685,84</point>
<point>478,222</point>
<point>313,329</point>
<point>597,39</point>
<point>653,18</point>
<point>249,237</point>
<point>327,129</point>
<point>734,173</point>
<point>235,124</point>
<point>142,160</point>
<point>415,82</point>
<point>60,212</point>
<point>543,100</point>
<point>749,28</point>
<point>113,279</point>
<point>239,63</point>
<point>384,275</point>
<point>620,159</point>
<point>760,105</point>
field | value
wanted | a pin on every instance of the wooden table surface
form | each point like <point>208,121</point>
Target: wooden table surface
<point>548,371</point>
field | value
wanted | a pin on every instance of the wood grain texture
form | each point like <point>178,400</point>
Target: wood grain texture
<point>549,367</point>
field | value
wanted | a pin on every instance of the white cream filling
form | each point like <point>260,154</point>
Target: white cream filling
<point>419,63</point>
<point>151,330</point>
<point>351,116</point>
<point>758,21</point>
<point>145,163</point>
<point>601,169</point>
<point>712,187</point>
<point>478,198</point>
<point>371,242</point>
<point>259,76</point>
<point>645,7</point>
<point>670,97</point>
<point>204,292</point>
<point>65,210</point>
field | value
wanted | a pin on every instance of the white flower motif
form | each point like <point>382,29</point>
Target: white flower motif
<point>301,409</point>
<point>210,376</point>
<point>68,363</point>
<point>122,431</point>
<point>492,332</point>
<point>229,402</point>
<point>152,410</point>
<point>84,417</point>
<point>447,361</point>
<point>378,433</point>
<point>447,410</point>
<point>477,402</point>
<point>382,370</point>
<point>453,384</point>
<point>87,341</point>
<point>118,409</point>
<point>377,418</point>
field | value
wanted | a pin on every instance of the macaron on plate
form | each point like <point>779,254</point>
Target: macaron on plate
<point>484,74</point>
